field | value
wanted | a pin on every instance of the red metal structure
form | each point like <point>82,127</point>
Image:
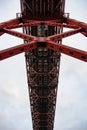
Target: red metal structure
<point>43,22</point>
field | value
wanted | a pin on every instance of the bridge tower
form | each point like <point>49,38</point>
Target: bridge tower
<point>42,22</point>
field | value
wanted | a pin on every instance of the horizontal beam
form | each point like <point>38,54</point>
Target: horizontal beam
<point>49,23</point>
<point>24,25</point>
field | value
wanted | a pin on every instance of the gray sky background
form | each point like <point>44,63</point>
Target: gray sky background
<point>71,110</point>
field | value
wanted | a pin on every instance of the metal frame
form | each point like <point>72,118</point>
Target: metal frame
<point>43,52</point>
<point>47,42</point>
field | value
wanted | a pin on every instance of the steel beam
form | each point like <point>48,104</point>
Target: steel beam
<point>70,51</point>
<point>17,50</point>
<point>26,37</point>
<point>42,42</point>
<point>65,34</point>
<point>59,24</point>
<point>10,22</point>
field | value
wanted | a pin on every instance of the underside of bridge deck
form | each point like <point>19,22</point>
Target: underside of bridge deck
<point>42,64</point>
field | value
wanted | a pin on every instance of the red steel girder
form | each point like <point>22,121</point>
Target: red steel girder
<point>17,50</point>
<point>49,23</point>
<point>19,34</point>
<point>65,34</point>
<point>56,24</point>
<point>73,52</point>
<point>76,23</point>
<point>84,33</point>
<point>10,22</point>
<point>76,53</point>
<point>66,22</point>
<point>33,23</point>
<point>53,37</point>
<point>48,42</point>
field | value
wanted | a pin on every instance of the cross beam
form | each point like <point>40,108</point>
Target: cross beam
<point>50,42</point>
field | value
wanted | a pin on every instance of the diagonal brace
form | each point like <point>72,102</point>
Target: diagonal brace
<point>44,43</point>
<point>70,51</point>
<point>19,34</point>
<point>65,34</point>
<point>10,22</point>
<point>17,50</point>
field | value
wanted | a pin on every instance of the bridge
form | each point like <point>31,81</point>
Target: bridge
<point>42,23</point>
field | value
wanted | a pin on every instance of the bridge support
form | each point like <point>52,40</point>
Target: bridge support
<point>43,50</point>
<point>48,42</point>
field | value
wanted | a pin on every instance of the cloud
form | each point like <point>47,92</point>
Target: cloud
<point>14,99</point>
<point>72,94</point>
<point>80,125</point>
<point>14,109</point>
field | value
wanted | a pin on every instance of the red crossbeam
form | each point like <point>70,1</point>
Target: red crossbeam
<point>65,34</point>
<point>73,52</point>
<point>48,42</point>
<point>10,22</point>
<point>49,23</point>
<point>17,50</point>
<point>76,53</point>
<point>24,25</point>
<point>76,23</point>
<point>19,35</point>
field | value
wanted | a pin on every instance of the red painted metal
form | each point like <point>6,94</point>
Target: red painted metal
<point>19,35</point>
<point>59,24</point>
<point>76,23</point>
<point>82,55</point>
<point>30,24</point>
<point>70,51</point>
<point>9,23</point>
<point>17,50</point>
<point>44,42</point>
<point>43,23</point>
<point>65,34</point>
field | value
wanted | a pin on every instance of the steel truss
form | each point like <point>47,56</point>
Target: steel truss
<point>47,42</point>
<point>43,60</point>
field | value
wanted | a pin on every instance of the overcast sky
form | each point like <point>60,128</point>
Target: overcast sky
<point>71,110</point>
